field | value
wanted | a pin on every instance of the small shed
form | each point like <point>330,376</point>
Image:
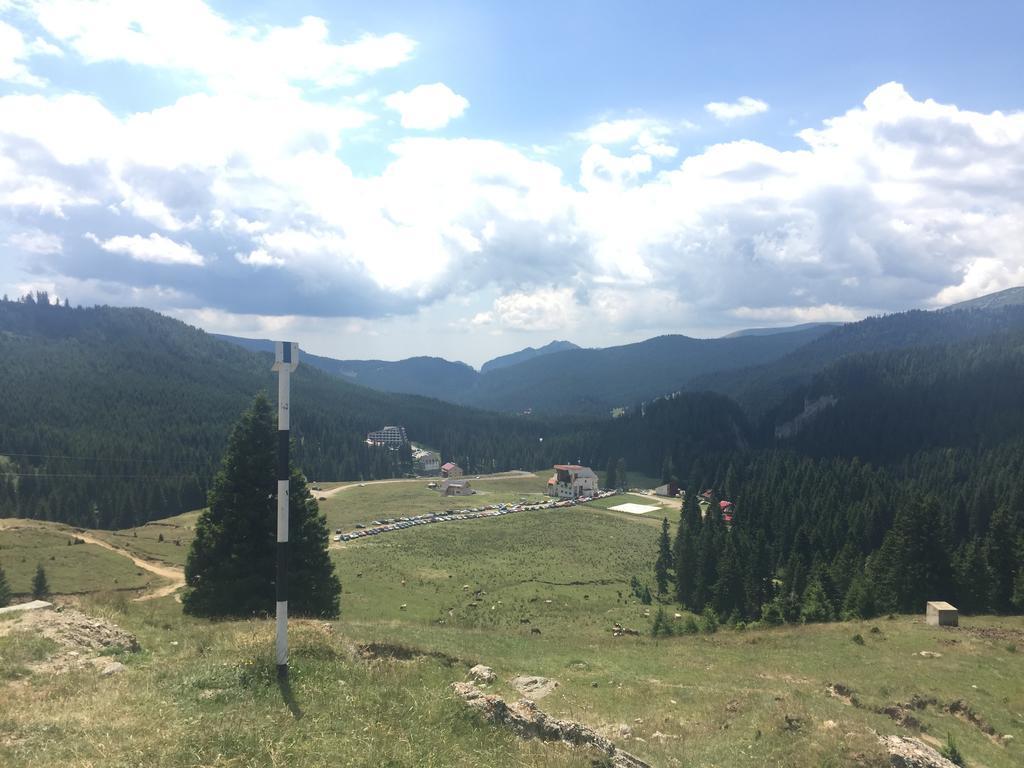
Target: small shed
<point>941,614</point>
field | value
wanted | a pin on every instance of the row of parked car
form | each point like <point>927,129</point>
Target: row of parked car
<point>377,527</point>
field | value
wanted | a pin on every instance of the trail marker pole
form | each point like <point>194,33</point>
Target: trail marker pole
<point>286,360</point>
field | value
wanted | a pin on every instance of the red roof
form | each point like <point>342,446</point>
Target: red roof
<point>569,466</point>
<point>725,504</point>
<point>727,518</point>
<point>448,466</point>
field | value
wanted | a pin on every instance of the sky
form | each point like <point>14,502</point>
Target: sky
<point>464,179</point>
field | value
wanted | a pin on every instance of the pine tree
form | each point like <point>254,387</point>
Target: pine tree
<point>609,475</point>
<point>40,585</point>
<point>5,589</point>
<point>621,478</point>
<point>231,567</point>
<point>664,562</point>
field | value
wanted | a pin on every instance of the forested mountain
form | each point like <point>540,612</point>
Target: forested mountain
<point>427,376</point>
<point>504,361</point>
<point>1006,298</point>
<point>782,329</point>
<point>906,485</point>
<point>111,416</point>
<point>580,382</point>
<point>760,388</point>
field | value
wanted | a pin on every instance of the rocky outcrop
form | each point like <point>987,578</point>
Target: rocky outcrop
<point>531,723</point>
<point>905,752</point>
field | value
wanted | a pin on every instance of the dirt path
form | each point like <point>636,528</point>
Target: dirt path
<point>501,476</point>
<point>174,574</point>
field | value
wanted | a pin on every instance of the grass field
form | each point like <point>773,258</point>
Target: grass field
<point>74,569</point>
<point>203,693</point>
<point>145,541</point>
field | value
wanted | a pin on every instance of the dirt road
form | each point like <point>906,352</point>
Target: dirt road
<point>174,575</point>
<point>500,476</point>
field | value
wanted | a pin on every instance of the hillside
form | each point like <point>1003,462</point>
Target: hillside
<point>375,688</point>
<point>112,416</point>
<point>526,354</point>
<point>760,388</point>
<point>569,380</point>
<point>779,329</point>
<point>1007,298</point>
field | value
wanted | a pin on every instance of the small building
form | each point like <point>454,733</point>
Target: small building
<point>670,490</point>
<point>451,470</point>
<point>388,437</point>
<point>456,488</point>
<point>942,614</point>
<point>426,462</point>
<point>571,481</point>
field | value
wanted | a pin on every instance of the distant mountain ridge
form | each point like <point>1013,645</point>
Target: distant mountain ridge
<point>1007,298</point>
<point>523,355</point>
<point>780,329</point>
<point>567,381</point>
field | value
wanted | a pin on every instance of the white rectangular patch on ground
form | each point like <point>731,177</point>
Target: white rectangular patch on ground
<point>634,509</point>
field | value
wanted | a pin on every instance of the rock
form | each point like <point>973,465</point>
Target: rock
<point>907,752</point>
<point>1006,738</point>
<point>829,725</point>
<point>113,668</point>
<point>529,722</point>
<point>625,731</point>
<point>533,686</point>
<point>930,655</point>
<point>483,674</point>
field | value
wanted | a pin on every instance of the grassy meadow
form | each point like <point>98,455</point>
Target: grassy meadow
<point>167,540</point>
<point>440,598</point>
<point>70,569</point>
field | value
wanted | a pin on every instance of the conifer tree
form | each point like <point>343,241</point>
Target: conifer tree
<point>40,585</point>
<point>609,475</point>
<point>621,478</point>
<point>5,589</point>
<point>663,564</point>
<point>230,569</point>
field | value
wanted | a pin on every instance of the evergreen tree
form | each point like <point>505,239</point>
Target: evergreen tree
<point>609,475</point>
<point>816,606</point>
<point>231,567</point>
<point>5,587</point>
<point>40,585</point>
<point>621,478</point>
<point>684,550</point>
<point>664,562</point>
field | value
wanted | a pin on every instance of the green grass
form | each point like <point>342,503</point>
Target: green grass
<point>144,541</point>
<point>75,569</point>
<point>202,693</point>
<point>19,649</point>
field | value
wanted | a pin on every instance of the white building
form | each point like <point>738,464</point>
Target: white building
<point>427,462</point>
<point>390,437</point>
<point>571,481</point>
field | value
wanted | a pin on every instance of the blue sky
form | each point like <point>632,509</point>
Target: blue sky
<point>464,179</point>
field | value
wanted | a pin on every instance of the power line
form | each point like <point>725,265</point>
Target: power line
<point>96,477</point>
<point>94,458</point>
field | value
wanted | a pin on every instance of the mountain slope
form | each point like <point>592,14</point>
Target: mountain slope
<point>593,381</point>
<point>759,388</point>
<point>113,416</point>
<point>1007,298</point>
<point>504,361</point>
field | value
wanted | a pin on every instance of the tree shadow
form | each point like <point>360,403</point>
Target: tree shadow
<point>285,686</point>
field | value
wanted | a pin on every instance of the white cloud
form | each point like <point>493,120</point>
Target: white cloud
<point>259,258</point>
<point>156,249</point>
<point>894,203</point>
<point>14,51</point>
<point>35,241</point>
<point>189,37</point>
<point>744,106</point>
<point>822,313</point>
<point>427,107</point>
<point>646,134</point>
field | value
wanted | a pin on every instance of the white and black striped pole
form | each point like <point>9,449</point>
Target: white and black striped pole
<point>286,360</point>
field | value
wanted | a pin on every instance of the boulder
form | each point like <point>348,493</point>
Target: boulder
<point>907,752</point>
<point>483,674</point>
